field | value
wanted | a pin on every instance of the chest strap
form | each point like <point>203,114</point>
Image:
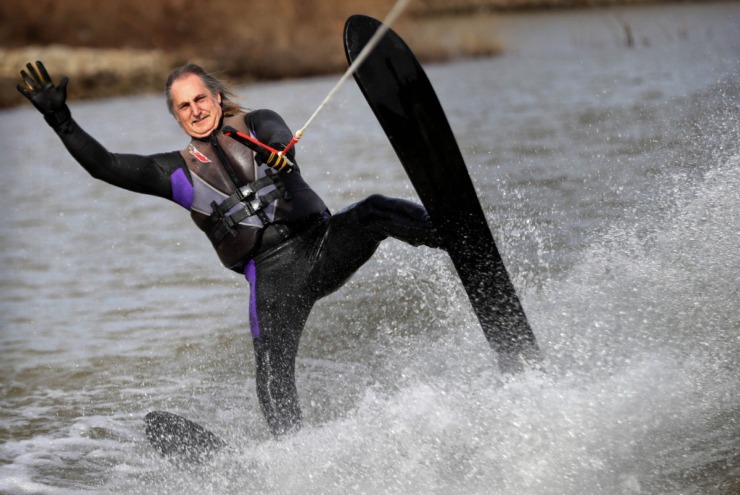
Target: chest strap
<point>252,205</point>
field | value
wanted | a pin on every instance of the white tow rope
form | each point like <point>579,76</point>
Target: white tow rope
<point>372,42</point>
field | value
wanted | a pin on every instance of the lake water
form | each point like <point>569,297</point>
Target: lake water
<point>610,176</point>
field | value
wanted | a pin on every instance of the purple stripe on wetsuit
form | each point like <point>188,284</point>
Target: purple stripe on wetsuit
<point>182,189</point>
<point>251,274</point>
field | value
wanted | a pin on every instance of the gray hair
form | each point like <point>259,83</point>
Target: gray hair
<point>214,85</point>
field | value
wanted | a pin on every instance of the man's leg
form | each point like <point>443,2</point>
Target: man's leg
<point>398,218</point>
<point>279,308</point>
<point>286,284</point>
<point>354,234</point>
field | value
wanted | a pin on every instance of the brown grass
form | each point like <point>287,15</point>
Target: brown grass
<point>128,46</point>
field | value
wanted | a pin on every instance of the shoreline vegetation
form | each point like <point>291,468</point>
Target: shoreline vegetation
<point>126,47</point>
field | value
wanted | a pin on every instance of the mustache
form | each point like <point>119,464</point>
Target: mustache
<point>197,119</point>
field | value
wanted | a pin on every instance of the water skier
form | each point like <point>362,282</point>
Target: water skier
<point>253,204</point>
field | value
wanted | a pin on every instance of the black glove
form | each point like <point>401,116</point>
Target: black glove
<point>48,99</point>
<point>281,163</point>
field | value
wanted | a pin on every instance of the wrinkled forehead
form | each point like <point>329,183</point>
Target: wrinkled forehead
<point>188,87</point>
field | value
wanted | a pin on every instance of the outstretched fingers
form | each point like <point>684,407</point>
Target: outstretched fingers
<point>44,76</point>
<point>38,78</point>
<point>29,85</point>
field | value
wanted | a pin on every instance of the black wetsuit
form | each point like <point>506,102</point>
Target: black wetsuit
<point>312,255</point>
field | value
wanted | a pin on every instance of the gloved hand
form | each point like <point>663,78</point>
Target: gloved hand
<point>281,163</point>
<point>48,99</point>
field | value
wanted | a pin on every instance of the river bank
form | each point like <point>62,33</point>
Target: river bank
<point>282,39</point>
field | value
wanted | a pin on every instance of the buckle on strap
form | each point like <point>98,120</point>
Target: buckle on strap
<point>249,191</point>
<point>250,202</point>
<point>245,191</point>
<point>241,194</point>
<point>227,223</point>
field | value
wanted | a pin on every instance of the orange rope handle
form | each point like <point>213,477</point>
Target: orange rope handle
<point>239,136</point>
<point>296,137</point>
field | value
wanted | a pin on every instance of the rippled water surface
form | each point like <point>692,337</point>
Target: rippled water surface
<point>610,175</point>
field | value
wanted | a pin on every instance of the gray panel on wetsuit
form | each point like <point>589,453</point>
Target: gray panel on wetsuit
<point>205,194</point>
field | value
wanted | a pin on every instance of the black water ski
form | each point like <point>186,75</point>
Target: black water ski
<point>403,100</point>
<point>180,439</point>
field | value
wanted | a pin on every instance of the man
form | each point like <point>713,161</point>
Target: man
<point>260,215</point>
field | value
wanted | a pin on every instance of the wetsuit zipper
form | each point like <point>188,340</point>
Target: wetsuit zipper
<point>224,160</point>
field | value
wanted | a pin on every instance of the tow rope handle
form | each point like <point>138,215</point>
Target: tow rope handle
<point>270,156</point>
<point>251,142</point>
<point>296,137</point>
<point>248,140</point>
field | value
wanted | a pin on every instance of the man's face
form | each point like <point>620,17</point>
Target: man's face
<point>197,110</point>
